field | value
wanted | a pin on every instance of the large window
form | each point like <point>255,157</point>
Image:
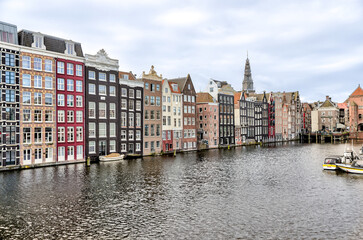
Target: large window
<point>37,98</point>
<point>10,113</point>
<point>37,115</point>
<point>91,109</point>
<point>27,136</point>
<point>48,65</point>
<point>79,134</point>
<point>37,135</point>
<point>48,115</point>
<point>27,154</point>
<point>79,70</point>
<point>38,64</point>
<point>10,135</point>
<point>102,110</point>
<point>60,100</point>
<point>10,95</point>
<point>70,100</point>
<point>112,78</point>
<point>48,135</point>
<point>79,101</point>
<point>112,129</point>
<point>70,116</point>
<point>91,88</point>
<point>112,91</point>
<point>61,117</point>
<point>92,147</point>
<point>48,83</point>
<point>27,115</point>
<point>27,98</point>
<point>102,131</point>
<point>112,146</point>
<point>70,85</point>
<point>102,90</point>
<point>60,67</point>
<point>70,70</point>
<point>91,75</point>
<point>60,85</point>
<point>10,77</point>
<point>79,87</point>
<point>102,76</point>
<point>48,99</point>
<point>70,134</point>
<point>112,110</point>
<point>138,119</point>
<point>91,129</point>
<point>79,116</point>
<point>26,80</point>
<point>26,62</point>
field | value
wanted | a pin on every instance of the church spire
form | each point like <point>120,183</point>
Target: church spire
<point>247,84</point>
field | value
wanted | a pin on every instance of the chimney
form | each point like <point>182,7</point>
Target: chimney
<point>327,97</point>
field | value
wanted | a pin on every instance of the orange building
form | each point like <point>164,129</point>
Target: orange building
<point>355,104</point>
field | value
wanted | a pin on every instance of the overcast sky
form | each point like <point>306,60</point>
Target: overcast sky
<point>314,47</point>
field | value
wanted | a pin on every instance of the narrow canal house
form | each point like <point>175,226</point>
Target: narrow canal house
<point>131,111</point>
<point>152,112</point>
<point>10,99</point>
<point>355,108</point>
<point>325,116</point>
<point>189,104</point>
<point>172,116</point>
<point>69,74</point>
<point>37,100</point>
<point>271,117</point>
<point>207,120</point>
<point>102,98</point>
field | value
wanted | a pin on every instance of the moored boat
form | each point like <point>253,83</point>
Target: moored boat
<point>330,162</point>
<point>355,167</point>
<point>112,157</point>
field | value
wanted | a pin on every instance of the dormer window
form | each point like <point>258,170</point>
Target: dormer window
<point>38,41</point>
<point>69,48</point>
<point>175,87</point>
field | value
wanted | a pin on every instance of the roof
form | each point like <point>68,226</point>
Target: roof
<point>342,105</point>
<point>171,87</point>
<point>204,97</point>
<point>130,74</point>
<point>327,104</point>
<point>357,92</point>
<point>180,81</point>
<point>53,44</point>
<point>219,83</point>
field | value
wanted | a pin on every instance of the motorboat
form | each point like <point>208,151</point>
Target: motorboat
<point>331,161</point>
<point>355,167</point>
<point>112,157</point>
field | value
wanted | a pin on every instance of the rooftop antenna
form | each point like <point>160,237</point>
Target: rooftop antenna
<point>247,53</point>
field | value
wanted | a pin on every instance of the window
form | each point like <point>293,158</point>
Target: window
<point>131,119</point>
<point>70,85</point>
<point>102,110</point>
<point>10,113</point>
<point>79,116</point>
<point>124,92</point>
<point>38,64</point>
<point>26,80</point>
<point>70,134</point>
<point>91,109</point>
<point>61,116</point>
<point>48,65</point>
<point>70,70</point>
<point>70,153</point>
<point>60,67</point>
<point>27,139</point>
<point>79,70</point>
<point>91,88</point>
<point>10,77</point>
<point>152,100</point>
<point>138,119</point>
<point>102,76</point>
<point>112,129</point>
<point>138,147</point>
<point>146,100</point>
<point>131,93</point>
<point>123,104</point>
<point>146,85</point>
<point>27,115</point>
<point>158,101</point>
<point>37,135</point>
<point>27,155</point>
<point>131,105</point>
<point>131,135</point>
<point>60,85</point>
<point>92,75</point>
<point>102,131</point>
<point>49,154</point>
<point>112,146</point>
<point>79,133</point>
<point>70,100</point>
<point>112,110</point>
<point>138,135</point>
<point>157,87</point>
<point>48,135</point>
<point>112,91</point>
<point>138,94</point>
<point>48,99</point>
<point>38,41</point>
<point>92,130</point>
<point>37,81</point>
<point>27,98</point>
<point>123,134</point>
<point>92,147</point>
<point>138,105</point>
<point>79,87</point>
<point>38,154</point>
<point>123,119</point>
<point>102,90</point>
<point>79,101</point>
<point>26,62</point>
<point>61,153</point>
<point>123,147</point>
<point>37,115</point>
<point>69,49</point>
<point>146,130</point>
<point>49,115</point>
<point>48,83</point>
<point>10,135</point>
<point>70,116</point>
<point>112,78</point>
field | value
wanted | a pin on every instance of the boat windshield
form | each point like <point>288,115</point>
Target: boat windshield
<point>330,160</point>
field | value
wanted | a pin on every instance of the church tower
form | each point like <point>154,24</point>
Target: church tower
<point>247,84</point>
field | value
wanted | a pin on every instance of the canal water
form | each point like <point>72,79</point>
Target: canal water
<point>273,192</point>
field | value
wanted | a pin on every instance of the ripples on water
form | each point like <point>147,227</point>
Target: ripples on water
<point>243,193</point>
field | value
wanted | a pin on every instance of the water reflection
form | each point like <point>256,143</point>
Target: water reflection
<point>275,191</point>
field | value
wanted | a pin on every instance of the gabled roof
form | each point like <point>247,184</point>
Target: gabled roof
<point>219,83</point>
<point>204,97</point>
<point>327,104</point>
<point>342,105</point>
<point>52,43</point>
<point>180,81</point>
<point>357,92</point>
